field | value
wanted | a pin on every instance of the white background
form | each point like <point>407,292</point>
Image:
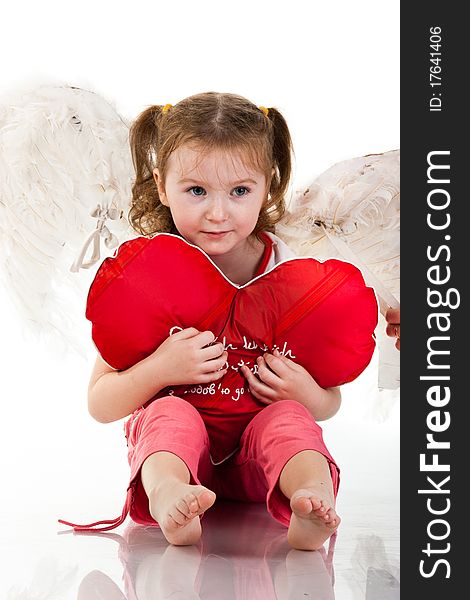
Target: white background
<point>332,68</point>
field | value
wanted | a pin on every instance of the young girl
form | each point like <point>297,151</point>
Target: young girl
<point>214,169</point>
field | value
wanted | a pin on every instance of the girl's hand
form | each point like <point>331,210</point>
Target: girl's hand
<point>189,356</point>
<point>392,316</point>
<point>279,378</point>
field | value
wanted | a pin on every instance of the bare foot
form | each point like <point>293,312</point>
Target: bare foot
<point>313,519</point>
<point>176,507</point>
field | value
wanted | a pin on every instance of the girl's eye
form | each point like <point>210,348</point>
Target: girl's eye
<point>243,189</point>
<point>197,189</point>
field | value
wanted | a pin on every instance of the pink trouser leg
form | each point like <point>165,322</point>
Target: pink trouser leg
<point>169,437</point>
<point>275,435</point>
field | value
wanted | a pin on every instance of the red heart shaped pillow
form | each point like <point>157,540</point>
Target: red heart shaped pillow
<point>319,314</point>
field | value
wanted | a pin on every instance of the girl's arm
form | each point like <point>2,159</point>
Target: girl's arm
<point>183,358</point>
<point>113,395</point>
<point>323,403</point>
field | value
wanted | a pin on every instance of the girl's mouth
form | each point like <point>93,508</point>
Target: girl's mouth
<point>216,234</point>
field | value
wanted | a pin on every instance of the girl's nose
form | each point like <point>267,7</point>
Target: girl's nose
<point>217,210</point>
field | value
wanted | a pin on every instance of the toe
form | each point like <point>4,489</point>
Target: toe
<point>206,499</point>
<point>323,512</point>
<point>331,519</point>
<point>192,503</point>
<point>301,505</point>
<point>197,502</point>
<point>304,502</point>
<point>183,507</point>
<point>317,504</point>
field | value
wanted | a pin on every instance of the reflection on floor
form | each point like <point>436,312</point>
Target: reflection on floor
<point>65,465</point>
<point>243,555</point>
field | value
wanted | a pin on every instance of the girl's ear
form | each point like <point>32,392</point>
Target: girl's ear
<point>160,187</point>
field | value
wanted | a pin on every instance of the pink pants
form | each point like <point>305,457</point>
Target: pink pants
<point>272,437</point>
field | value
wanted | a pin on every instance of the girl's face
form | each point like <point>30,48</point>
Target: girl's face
<point>214,198</point>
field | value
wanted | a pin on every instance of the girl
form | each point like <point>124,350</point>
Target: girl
<point>214,169</point>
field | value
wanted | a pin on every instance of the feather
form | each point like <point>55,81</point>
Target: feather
<point>358,203</point>
<point>65,169</point>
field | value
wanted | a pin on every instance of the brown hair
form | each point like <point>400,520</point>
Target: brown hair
<point>209,120</point>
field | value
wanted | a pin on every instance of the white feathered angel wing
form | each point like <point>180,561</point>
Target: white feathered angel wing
<point>65,174</point>
<point>352,212</point>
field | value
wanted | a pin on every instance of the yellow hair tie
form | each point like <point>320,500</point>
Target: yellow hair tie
<point>166,108</point>
<point>264,110</point>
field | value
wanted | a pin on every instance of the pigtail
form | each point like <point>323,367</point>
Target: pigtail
<point>147,214</point>
<point>282,151</point>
